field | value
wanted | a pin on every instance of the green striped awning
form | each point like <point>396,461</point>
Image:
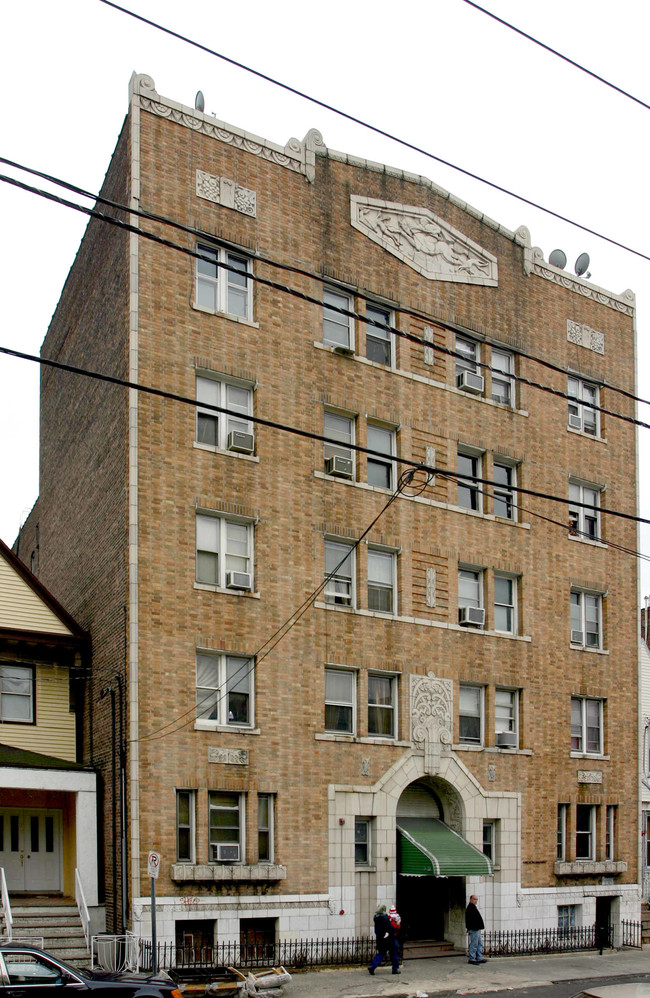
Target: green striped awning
<point>428,847</point>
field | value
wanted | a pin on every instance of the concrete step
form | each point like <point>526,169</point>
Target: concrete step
<point>426,949</point>
<point>44,924</point>
<point>37,911</point>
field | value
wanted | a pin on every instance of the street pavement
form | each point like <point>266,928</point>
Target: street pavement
<point>454,975</point>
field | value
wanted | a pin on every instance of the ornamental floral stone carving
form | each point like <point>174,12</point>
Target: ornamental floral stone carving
<point>585,336</point>
<point>221,190</point>
<point>424,241</point>
<point>431,717</point>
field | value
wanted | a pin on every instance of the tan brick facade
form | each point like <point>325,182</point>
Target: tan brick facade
<point>123,480</point>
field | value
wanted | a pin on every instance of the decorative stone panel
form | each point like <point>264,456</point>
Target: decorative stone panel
<point>585,336</point>
<point>589,868</point>
<point>221,190</point>
<point>212,872</point>
<point>228,756</point>
<point>590,776</point>
<point>431,717</point>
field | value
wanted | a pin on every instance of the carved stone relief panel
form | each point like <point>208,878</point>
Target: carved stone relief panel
<point>431,717</point>
<point>221,190</point>
<point>585,336</point>
<point>423,241</point>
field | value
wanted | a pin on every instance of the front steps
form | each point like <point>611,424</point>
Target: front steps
<point>53,924</point>
<point>426,949</point>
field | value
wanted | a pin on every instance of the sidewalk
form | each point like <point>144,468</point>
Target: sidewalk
<point>456,975</point>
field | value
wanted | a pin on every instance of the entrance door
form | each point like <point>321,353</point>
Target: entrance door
<point>603,928</point>
<point>30,848</point>
<point>422,903</point>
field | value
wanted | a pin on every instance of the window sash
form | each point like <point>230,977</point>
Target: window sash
<point>610,832</point>
<point>265,828</point>
<point>504,476</point>
<point>470,714</point>
<point>341,429</point>
<point>561,831</point>
<point>379,342</point>
<point>585,839</point>
<point>225,826</point>
<point>339,587</point>
<point>505,711</point>
<point>470,589</point>
<point>505,604</point>
<point>340,698</point>
<point>337,328</point>
<point>587,725</point>
<point>381,581</point>
<point>220,289</point>
<point>586,616</point>
<point>381,706</point>
<point>223,689</point>
<point>582,397</point>
<point>502,382</point>
<point>222,545</point>
<point>586,522</point>
<point>488,840</point>
<point>380,470</point>
<point>213,428</point>
<point>17,694</point>
<point>468,361</point>
<point>362,854</point>
<point>185,824</point>
<point>469,496</point>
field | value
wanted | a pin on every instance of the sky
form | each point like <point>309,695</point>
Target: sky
<point>437,73</point>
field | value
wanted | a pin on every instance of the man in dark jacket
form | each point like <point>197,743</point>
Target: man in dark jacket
<point>386,941</point>
<point>474,925</point>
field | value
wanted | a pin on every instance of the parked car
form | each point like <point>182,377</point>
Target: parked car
<point>27,972</point>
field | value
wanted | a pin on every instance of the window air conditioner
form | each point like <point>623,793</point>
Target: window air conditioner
<point>471,616</point>
<point>344,350</point>
<point>242,442</point>
<point>238,580</point>
<point>577,638</point>
<point>575,422</point>
<point>227,853</point>
<point>470,382</point>
<point>341,466</point>
<point>506,739</point>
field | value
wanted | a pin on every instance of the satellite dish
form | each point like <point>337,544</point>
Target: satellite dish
<point>582,264</point>
<point>199,101</point>
<point>558,259</point>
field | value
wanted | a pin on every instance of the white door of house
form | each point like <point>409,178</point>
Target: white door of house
<point>30,848</point>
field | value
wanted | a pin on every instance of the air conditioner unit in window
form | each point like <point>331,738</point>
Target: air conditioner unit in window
<point>340,466</point>
<point>242,442</point>
<point>472,616</point>
<point>575,422</point>
<point>345,351</point>
<point>506,739</point>
<point>238,580</point>
<point>577,638</point>
<point>227,853</point>
<point>470,382</point>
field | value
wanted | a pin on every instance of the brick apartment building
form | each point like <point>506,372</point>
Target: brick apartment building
<point>460,702</point>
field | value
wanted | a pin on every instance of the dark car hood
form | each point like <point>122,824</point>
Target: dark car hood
<point>129,977</point>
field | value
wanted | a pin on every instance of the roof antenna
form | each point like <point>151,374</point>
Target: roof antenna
<point>199,101</point>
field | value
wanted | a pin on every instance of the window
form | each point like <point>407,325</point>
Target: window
<point>381,705</point>
<point>469,466</point>
<point>505,480</point>
<point>185,819</point>
<point>468,356</point>
<point>338,329</point>
<point>585,619</point>
<point>379,342</point>
<point>339,456</point>
<point>503,386</point>
<point>587,725</point>
<point>505,604</point>
<point>339,573</point>
<point>265,828</point>
<point>470,715</point>
<point>224,552</point>
<point>585,829</point>
<point>582,397</point>
<point>214,428</point>
<point>340,696</point>
<point>380,469</point>
<point>226,827</point>
<point>223,288</point>
<point>470,596</point>
<point>506,710</point>
<point>17,693</point>
<point>584,511</point>
<point>566,916</point>
<point>223,688</point>
<point>362,845</point>
<point>562,810</point>
<point>610,832</point>
<point>381,581</point>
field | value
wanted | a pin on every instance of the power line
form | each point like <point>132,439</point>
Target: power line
<point>313,275</point>
<point>277,286</point>
<point>374,128</point>
<point>560,55</point>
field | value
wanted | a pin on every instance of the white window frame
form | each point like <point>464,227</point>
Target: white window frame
<point>583,603</point>
<point>331,594</point>
<point>566,917</point>
<point>584,523</point>
<point>562,816</point>
<point>610,832</point>
<point>216,391</point>
<point>338,329</point>
<point>490,827</point>
<point>587,834</point>
<point>227,561</point>
<point>190,826</point>
<point>233,674</point>
<point>470,484</point>
<point>382,556</point>
<point>339,425</point>
<point>503,375</point>
<point>510,608</point>
<point>349,704</point>
<point>387,463</point>
<point>17,680</point>
<point>505,491</point>
<point>378,337</point>
<point>390,708</point>
<point>478,695</point>
<point>268,829</point>
<point>582,724</point>
<point>241,812</point>
<point>471,355</point>
<point>477,601</point>
<point>506,719</point>
<point>581,408</point>
<point>220,286</point>
<point>364,825</point>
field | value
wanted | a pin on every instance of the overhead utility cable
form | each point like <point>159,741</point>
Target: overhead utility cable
<point>312,275</point>
<point>373,128</point>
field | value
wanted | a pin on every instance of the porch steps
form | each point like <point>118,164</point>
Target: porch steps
<point>645,923</point>
<point>52,923</point>
<point>426,949</point>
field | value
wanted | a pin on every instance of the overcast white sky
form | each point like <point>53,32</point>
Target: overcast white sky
<point>435,72</point>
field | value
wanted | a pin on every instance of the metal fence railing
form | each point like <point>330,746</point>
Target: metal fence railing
<point>294,953</point>
<point>631,934</point>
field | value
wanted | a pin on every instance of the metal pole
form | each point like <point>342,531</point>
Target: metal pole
<point>154,953</point>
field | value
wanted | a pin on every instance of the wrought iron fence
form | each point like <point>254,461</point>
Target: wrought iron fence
<point>294,953</point>
<point>631,934</point>
<point>515,942</point>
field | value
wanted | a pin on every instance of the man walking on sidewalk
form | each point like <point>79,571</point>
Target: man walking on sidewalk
<point>474,925</point>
